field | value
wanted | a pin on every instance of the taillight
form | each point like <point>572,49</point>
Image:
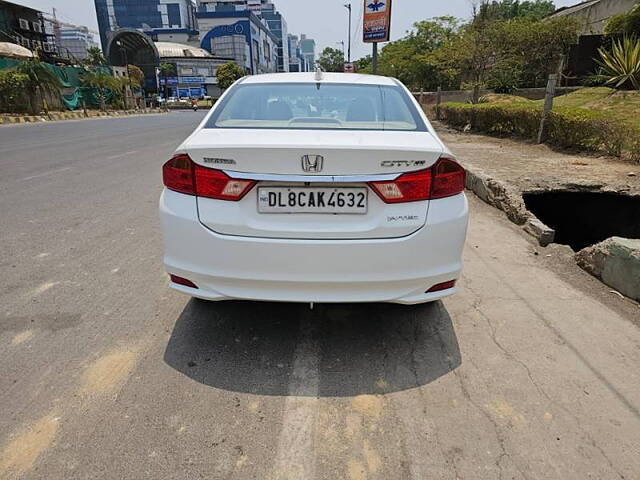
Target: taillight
<point>182,175</point>
<point>448,178</point>
<point>212,183</point>
<point>177,174</point>
<point>444,179</point>
<point>409,187</point>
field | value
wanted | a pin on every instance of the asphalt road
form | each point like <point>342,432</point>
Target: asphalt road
<point>531,372</point>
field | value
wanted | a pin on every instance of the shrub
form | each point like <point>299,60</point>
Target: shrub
<point>621,65</point>
<point>567,127</point>
<point>12,92</point>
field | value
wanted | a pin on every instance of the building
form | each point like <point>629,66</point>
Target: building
<point>297,62</point>
<point>594,14</point>
<point>278,26</point>
<point>72,41</point>
<point>241,35</point>
<point>308,51</point>
<point>26,27</point>
<point>194,70</point>
<point>265,11</point>
<point>168,20</point>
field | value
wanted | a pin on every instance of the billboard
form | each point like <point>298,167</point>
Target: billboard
<point>377,21</point>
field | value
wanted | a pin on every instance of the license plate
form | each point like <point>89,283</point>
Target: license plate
<point>338,200</point>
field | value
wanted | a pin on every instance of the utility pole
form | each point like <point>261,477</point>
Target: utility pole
<point>374,58</point>
<point>348,7</point>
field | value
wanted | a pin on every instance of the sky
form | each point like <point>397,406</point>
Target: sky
<point>324,20</point>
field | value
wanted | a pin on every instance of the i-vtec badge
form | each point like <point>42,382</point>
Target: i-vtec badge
<point>219,161</point>
<point>403,163</point>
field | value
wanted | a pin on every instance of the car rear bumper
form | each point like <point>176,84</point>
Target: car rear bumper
<point>396,270</point>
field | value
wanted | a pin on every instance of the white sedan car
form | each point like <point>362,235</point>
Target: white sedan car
<point>314,187</point>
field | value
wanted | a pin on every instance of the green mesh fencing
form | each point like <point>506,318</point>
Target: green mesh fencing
<point>70,77</point>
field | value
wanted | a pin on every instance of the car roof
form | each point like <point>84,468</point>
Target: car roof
<point>327,77</point>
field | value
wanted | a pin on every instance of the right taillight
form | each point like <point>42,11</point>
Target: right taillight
<point>444,179</point>
<point>182,175</point>
<point>448,178</point>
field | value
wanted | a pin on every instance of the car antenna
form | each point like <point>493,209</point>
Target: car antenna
<point>319,73</point>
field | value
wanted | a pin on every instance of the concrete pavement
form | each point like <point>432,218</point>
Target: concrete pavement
<point>531,372</point>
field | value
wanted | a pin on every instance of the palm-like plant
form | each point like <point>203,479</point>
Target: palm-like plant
<point>95,57</point>
<point>102,83</point>
<point>41,81</point>
<point>621,65</point>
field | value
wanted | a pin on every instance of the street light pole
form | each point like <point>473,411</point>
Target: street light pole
<point>126,72</point>
<point>348,7</point>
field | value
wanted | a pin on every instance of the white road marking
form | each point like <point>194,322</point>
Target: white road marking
<point>295,458</point>
<point>113,157</point>
<point>51,172</point>
<point>44,287</point>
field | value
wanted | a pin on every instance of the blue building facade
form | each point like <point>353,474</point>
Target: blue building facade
<point>150,16</point>
<point>240,35</point>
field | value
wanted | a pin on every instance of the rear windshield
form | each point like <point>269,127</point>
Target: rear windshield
<point>317,106</point>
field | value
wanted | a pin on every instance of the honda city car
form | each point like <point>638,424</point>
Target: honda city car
<point>314,187</point>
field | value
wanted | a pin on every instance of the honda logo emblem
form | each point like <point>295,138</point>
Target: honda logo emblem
<point>312,163</point>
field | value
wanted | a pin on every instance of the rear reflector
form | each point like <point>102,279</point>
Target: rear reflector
<point>444,179</point>
<point>182,175</point>
<point>182,281</point>
<point>442,286</point>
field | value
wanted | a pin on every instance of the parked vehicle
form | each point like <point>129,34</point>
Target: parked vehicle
<point>314,187</point>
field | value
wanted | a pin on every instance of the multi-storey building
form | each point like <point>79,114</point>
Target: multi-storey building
<point>278,26</point>
<point>72,41</point>
<point>297,62</point>
<point>169,20</point>
<point>241,35</point>
<point>266,13</point>
<point>25,26</point>
<point>308,50</point>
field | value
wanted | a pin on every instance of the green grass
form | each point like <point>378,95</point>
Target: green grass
<point>623,105</point>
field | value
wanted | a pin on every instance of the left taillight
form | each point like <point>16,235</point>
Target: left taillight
<point>444,179</point>
<point>177,174</point>
<point>182,175</point>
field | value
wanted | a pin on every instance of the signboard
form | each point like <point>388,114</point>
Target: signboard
<point>377,21</point>
<point>197,80</point>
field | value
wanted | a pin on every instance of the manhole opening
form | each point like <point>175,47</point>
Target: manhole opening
<point>581,219</point>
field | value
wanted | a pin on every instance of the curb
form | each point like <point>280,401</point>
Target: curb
<point>55,117</point>
<point>507,199</point>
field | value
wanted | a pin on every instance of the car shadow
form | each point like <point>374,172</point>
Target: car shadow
<point>251,347</point>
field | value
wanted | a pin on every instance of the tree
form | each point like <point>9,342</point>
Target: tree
<point>101,82</point>
<point>41,81</point>
<point>407,58</point>
<point>136,75</point>
<point>332,60</point>
<point>95,57</point>
<point>625,23</point>
<point>166,70</point>
<point>228,73</point>
<point>511,9</point>
<point>364,64</point>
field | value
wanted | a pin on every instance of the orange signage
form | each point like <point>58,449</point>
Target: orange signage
<point>377,21</point>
